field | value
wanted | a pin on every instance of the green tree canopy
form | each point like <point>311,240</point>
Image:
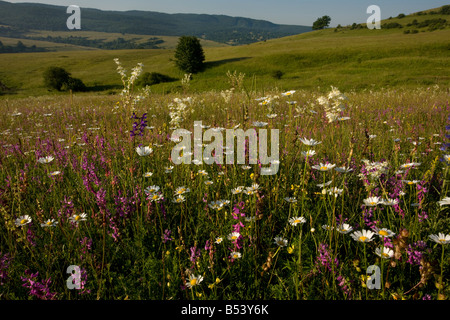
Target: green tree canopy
<point>59,79</point>
<point>56,77</point>
<point>321,23</point>
<point>189,55</point>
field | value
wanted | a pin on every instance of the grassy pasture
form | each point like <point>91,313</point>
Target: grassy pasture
<point>361,59</point>
<point>133,247</point>
<point>140,227</point>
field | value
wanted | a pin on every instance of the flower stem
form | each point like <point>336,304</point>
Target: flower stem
<point>441,286</point>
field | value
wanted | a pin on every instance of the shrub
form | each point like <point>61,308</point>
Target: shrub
<point>59,79</point>
<point>356,26</point>
<point>3,88</point>
<point>277,74</point>
<point>392,25</point>
<point>75,85</point>
<point>152,78</point>
<point>56,78</point>
<point>445,10</point>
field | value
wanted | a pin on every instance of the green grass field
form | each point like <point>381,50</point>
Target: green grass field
<point>91,179</point>
<point>170,42</point>
<point>351,59</point>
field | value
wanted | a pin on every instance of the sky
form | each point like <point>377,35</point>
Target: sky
<point>296,12</point>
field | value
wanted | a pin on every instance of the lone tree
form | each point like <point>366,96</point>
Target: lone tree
<point>321,23</point>
<point>189,55</point>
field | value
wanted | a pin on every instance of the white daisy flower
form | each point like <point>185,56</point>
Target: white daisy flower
<point>363,236</point>
<point>323,185</point>
<point>343,169</point>
<point>372,201</point>
<point>410,165</point>
<point>235,255</point>
<point>288,93</point>
<point>234,236</point>
<point>440,238</point>
<point>310,142</point>
<point>384,233</point>
<point>344,228</point>
<point>335,191</point>
<point>290,199</point>
<point>23,220</point>
<point>308,153</point>
<point>444,201</point>
<point>389,202</point>
<point>296,220</point>
<point>46,159</point>
<point>194,281</point>
<point>154,197</point>
<point>179,199</point>
<point>252,189</point>
<point>78,217</point>
<point>259,124</point>
<point>168,169</point>
<point>385,253</point>
<point>151,189</point>
<point>182,190</point>
<point>49,223</point>
<point>411,182</point>
<point>324,167</point>
<point>281,242</point>
<point>144,151</point>
<point>215,205</point>
<point>237,190</point>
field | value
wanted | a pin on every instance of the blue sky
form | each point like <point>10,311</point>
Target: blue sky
<point>300,12</point>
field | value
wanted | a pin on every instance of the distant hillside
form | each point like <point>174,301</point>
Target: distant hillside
<point>422,21</point>
<point>17,18</point>
<point>412,52</point>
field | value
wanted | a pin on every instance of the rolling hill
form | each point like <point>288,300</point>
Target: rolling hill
<point>19,18</point>
<point>350,57</point>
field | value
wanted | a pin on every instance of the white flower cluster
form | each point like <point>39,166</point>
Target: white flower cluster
<point>236,80</point>
<point>128,84</point>
<point>140,97</point>
<point>374,170</point>
<point>178,110</point>
<point>333,104</point>
<point>227,94</point>
<point>185,82</point>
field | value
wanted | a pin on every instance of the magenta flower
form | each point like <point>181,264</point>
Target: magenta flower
<point>38,289</point>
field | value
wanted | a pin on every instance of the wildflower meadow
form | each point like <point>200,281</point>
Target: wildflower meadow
<point>94,204</point>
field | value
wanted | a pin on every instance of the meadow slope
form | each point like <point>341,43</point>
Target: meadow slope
<point>350,59</point>
<point>361,173</point>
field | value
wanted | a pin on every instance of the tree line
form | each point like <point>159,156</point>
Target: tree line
<point>19,48</point>
<point>117,44</point>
